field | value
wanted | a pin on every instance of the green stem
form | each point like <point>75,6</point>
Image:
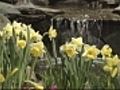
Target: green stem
<point>54,48</point>
<point>32,67</point>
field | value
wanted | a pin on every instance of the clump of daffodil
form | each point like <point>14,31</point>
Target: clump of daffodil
<point>52,33</point>
<point>111,65</point>
<point>34,36</point>
<point>2,79</point>
<point>21,44</point>
<point>69,48</point>
<point>106,51</point>
<point>37,49</point>
<point>77,41</point>
<point>90,52</point>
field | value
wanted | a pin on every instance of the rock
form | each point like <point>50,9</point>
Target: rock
<point>114,41</point>
<point>8,8</point>
<point>3,21</point>
<point>112,1</point>
<point>27,5</point>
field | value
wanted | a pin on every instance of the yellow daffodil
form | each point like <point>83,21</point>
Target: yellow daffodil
<point>111,70</point>
<point>90,52</point>
<point>37,49</point>
<point>114,72</point>
<point>25,27</point>
<point>17,32</point>
<point>21,44</point>
<point>16,25</point>
<point>106,51</point>
<point>31,30</point>
<point>2,79</point>
<point>37,86</point>
<point>77,41</point>
<point>35,36</point>
<point>112,65</point>
<point>24,34</point>
<point>7,30</point>
<point>52,33</point>
<point>112,61</point>
<point>107,68</point>
<point>69,49</point>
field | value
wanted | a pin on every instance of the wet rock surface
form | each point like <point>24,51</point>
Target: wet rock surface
<point>96,25</point>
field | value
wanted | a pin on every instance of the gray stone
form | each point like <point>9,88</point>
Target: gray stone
<point>3,21</point>
<point>114,41</point>
<point>8,9</point>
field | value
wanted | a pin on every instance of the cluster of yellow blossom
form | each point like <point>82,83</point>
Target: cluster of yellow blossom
<point>20,31</point>
<point>71,48</point>
<point>111,61</point>
<point>25,36</point>
<point>91,52</point>
<point>76,45</point>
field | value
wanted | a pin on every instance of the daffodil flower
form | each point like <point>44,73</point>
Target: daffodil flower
<point>112,61</point>
<point>25,27</point>
<point>37,49</point>
<point>21,44</point>
<point>111,70</point>
<point>90,52</point>
<point>114,72</point>
<point>24,34</point>
<point>52,33</point>
<point>35,36</point>
<point>112,65</point>
<point>107,68</point>
<point>77,41</point>
<point>69,49</point>
<point>15,24</point>
<point>17,27</point>
<point>7,30</point>
<point>106,51</point>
